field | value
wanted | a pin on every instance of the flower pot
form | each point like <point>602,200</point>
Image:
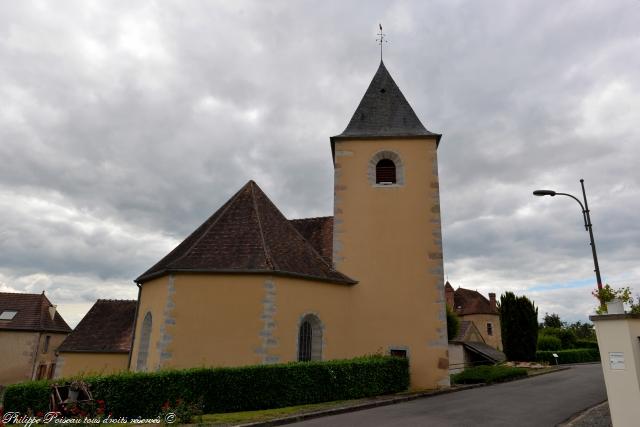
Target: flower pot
<point>615,306</point>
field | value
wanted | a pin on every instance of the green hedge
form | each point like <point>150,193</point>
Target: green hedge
<point>586,344</point>
<point>566,336</point>
<point>549,342</point>
<point>578,355</point>
<point>231,389</point>
<point>487,374</point>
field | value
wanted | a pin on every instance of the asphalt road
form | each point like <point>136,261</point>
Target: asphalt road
<point>541,401</point>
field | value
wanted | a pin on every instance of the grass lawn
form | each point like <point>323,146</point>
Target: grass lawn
<point>268,414</point>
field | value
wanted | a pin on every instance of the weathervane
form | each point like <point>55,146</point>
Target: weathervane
<point>381,40</point>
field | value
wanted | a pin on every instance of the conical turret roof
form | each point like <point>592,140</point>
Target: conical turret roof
<point>248,234</point>
<point>384,112</point>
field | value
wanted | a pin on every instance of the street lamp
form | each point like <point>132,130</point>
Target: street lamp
<point>587,222</point>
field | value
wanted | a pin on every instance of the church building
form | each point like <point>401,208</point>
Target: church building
<point>250,286</point>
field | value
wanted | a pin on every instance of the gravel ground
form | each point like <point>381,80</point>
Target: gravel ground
<point>598,416</point>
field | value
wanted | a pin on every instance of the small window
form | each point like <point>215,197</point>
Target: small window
<point>304,341</point>
<point>52,370</point>
<point>385,172</point>
<point>489,328</point>
<point>47,340</point>
<point>143,348</point>
<point>8,314</point>
<point>396,352</point>
<point>310,339</point>
<point>42,372</point>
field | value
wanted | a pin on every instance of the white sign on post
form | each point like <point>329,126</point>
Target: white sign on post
<point>616,361</point>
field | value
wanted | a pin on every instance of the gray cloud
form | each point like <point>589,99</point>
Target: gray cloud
<point>124,125</point>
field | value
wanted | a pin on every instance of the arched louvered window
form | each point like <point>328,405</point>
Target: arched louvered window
<point>385,172</point>
<point>143,348</point>
<point>310,339</point>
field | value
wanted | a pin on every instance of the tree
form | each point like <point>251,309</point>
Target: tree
<point>519,320</point>
<point>453,324</point>
<point>552,321</point>
<point>584,331</point>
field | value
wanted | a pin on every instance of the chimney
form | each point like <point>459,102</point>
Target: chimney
<point>52,311</point>
<point>492,301</point>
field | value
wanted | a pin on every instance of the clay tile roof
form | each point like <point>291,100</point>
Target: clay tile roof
<point>465,325</point>
<point>32,313</point>
<point>384,112</point>
<point>106,328</point>
<point>318,232</point>
<point>467,301</point>
<point>248,234</point>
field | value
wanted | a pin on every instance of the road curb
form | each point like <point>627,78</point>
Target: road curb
<point>576,419</point>
<point>382,401</point>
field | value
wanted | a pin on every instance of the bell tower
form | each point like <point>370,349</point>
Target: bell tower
<point>387,232</point>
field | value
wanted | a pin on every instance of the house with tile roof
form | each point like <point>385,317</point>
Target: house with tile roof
<point>479,340</point>
<point>472,306</point>
<point>101,342</point>
<point>31,330</point>
<point>250,286</point>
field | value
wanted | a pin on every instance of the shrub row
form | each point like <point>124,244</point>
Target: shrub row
<point>586,344</point>
<point>566,336</point>
<point>578,355</point>
<point>230,389</point>
<point>487,374</point>
<point>549,342</point>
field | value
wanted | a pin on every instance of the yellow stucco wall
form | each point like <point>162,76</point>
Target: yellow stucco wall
<point>70,364</point>
<point>233,320</point>
<point>481,321</point>
<point>389,239</point>
<point>22,353</point>
<point>153,298</point>
<point>17,354</point>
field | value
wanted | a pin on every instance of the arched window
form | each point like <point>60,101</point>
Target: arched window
<point>145,338</point>
<point>310,339</point>
<point>385,172</point>
<point>386,169</point>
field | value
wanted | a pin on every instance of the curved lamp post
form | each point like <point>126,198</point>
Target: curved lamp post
<point>587,222</point>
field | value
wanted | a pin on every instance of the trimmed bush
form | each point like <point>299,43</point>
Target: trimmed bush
<point>549,342</point>
<point>578,355</point>
<point>487,374</point>
<point>566,336</point>
<point>586,344</point>
<point>231,389</point>
<point>30,394</point>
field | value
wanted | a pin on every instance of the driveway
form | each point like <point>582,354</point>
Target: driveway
<point>541,401</point>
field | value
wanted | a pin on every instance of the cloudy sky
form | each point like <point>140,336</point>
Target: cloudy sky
<point>123,125</point>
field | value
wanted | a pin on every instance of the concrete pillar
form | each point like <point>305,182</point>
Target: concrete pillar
<point>619,344</point>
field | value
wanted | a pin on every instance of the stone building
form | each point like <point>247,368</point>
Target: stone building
<point>101,342</point>
<point>479,340</point>
<point>31,330</point>
<point>472,306</point>
<point>250,286</point>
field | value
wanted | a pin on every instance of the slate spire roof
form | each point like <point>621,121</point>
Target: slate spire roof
<point>384,112</point>
<point>32,313</point>
<point>106,328</point>
<point>248,234</point>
